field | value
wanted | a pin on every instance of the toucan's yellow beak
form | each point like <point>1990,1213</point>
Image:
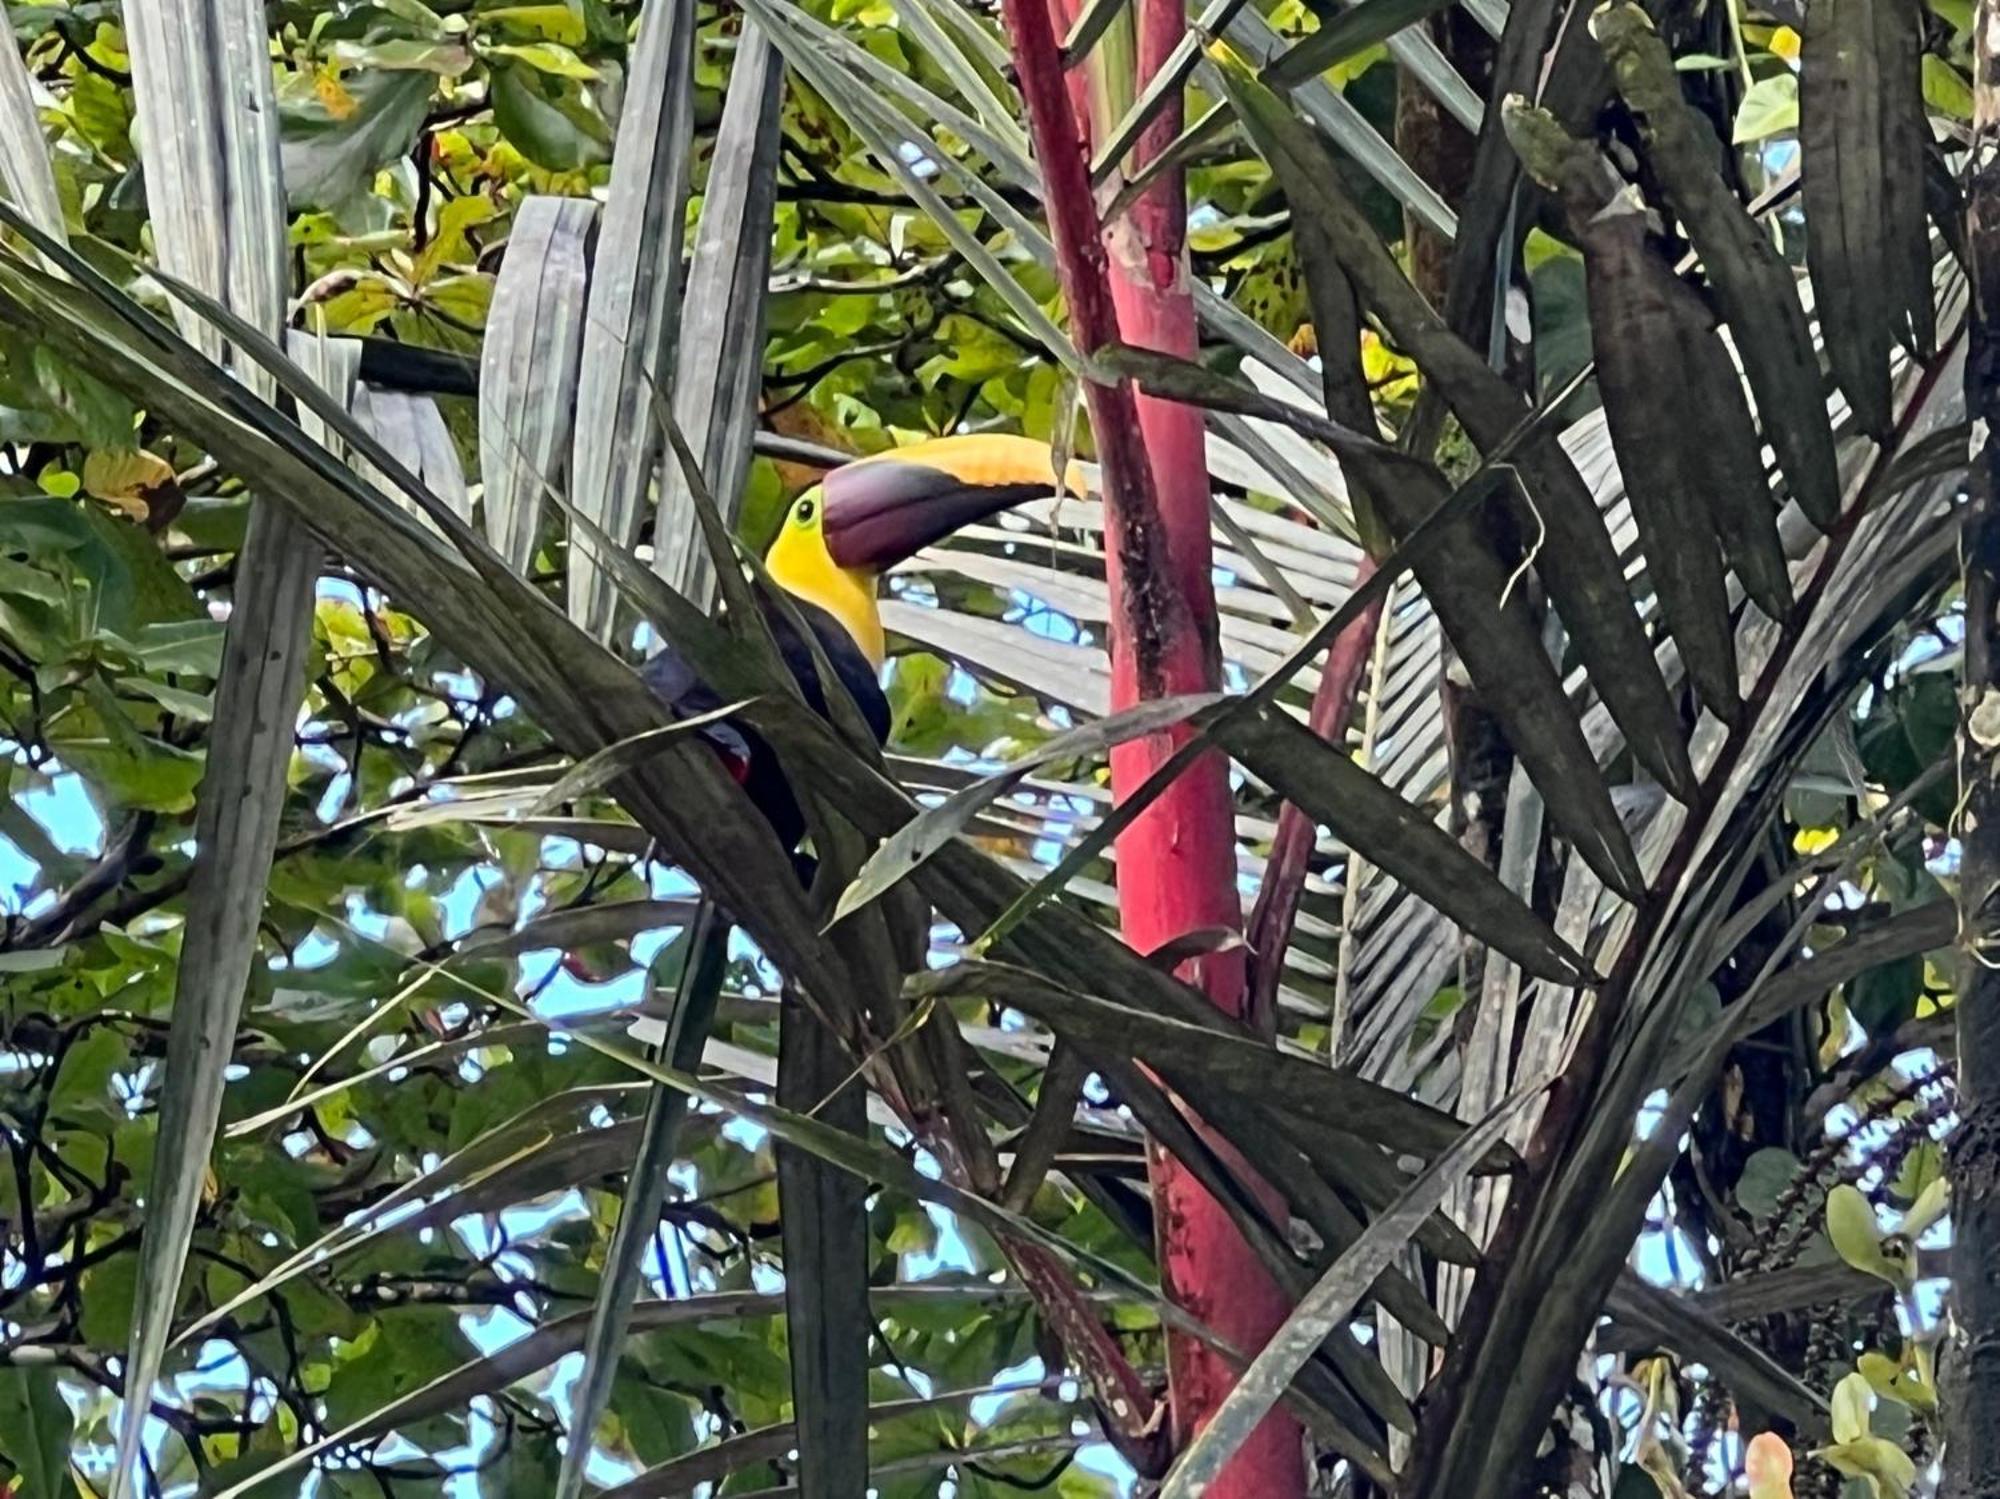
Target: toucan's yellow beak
<point>881,510</point>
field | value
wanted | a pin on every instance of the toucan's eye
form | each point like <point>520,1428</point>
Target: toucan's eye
<point>805,512</point>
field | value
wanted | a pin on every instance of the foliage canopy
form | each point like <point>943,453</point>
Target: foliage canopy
<point>1687,730</point>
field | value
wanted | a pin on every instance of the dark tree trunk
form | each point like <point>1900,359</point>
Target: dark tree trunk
<point>1972,1409</point>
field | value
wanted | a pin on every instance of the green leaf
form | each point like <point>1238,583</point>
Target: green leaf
<point>406,1348</point>
<point>1907,1383</point>
<point>449,246</point>
<point>1922,1170</point>
<point>1221,1055</point>
<point>194,707</point>
<point>1644,321</point>
<point>1932,1203</point>
<point>35,1429</point>
<point>133,770</point>
<point>109,1290</point>
<point>1686,497</point>
<point>45,398</point>
<point>84,1084</point>
<point>1864,145</point>
<point>102,112</point>
<point>1906,730</point>
<point>1401,839</point>
<point>1945,88</point>
<point>557,22</point>
<point>1345,34</point>
<point>527,1471</point>
<point>1770,107</point>
<point>687,1030</point>
<point>543,119</point>
<point>1323,1310</point>
<point>546,57</point>
<point>901,854</point>
<point>41,524</point>
<point>1858,1239</point>
<point>970,351</point>
<point>1887,1469</point>
<point>190,647</point>
<point>329,159</point>
<point>1886,996</point>
<point>659,1424</point>
<point>414,54</point>
<point>824,1221</point>
<point>96,413</point>
<point>1469,587</point>
<point>1766,1176</point>
<point>215,523</point>
<point>1755,289</point>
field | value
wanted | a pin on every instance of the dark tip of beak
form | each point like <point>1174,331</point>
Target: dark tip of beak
<point>879,514</point>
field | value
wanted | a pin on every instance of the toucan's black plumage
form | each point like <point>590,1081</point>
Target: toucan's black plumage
<point>836,541</point>
<point>749,758</point>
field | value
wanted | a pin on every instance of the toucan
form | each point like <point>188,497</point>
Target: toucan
<point>836,541</point>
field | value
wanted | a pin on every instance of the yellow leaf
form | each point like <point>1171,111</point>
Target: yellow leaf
<point>1879,1370</point>
<point>1785,42</point>
<point>1392,375</point>
<point>454,151</point>
<point>1930,1206</point>
<point>1908,1383</point>
<point>449,245</point>
<point>1662,1402</point>
<point>357,309</point>
<point>107,45</point>
<point>131,480</point>
<point>1850,1404</point>
<point>1920,1377</point>
<point>1884,1466</point>
<point>124,475</point>
<point>1834,1042</point>
<point>547,57</point>
<point>559,23</point>
<point>1659,1467</point>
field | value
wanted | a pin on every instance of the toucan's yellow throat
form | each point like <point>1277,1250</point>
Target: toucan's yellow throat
<point>840,536</point>
<point>799,563</point>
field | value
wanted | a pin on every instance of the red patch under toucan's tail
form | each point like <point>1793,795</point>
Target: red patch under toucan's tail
<point>737,765</point>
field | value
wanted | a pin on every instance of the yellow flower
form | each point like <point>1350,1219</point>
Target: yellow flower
<point>333,95</point>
